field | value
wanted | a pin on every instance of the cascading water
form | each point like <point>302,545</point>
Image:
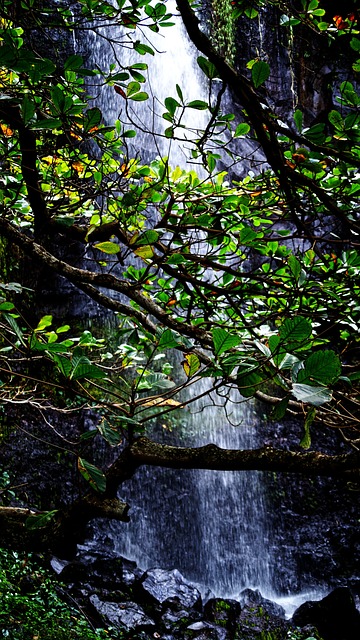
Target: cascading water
<point>212,526</point>
<point>174,63</point>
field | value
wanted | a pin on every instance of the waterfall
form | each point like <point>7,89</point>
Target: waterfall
<point>212,526</point>
<point>215,527</point>
<point>174,64</point>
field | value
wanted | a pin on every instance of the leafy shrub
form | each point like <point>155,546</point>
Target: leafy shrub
<point>31,606</point>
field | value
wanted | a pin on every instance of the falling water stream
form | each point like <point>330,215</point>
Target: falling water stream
<point>211,525</point>
<point>215,527</point>
<point>174,63</point>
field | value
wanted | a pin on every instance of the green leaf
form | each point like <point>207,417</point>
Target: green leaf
<point>137,75</point>
<point>247,235</point>
<point>355,44</point>
<point>335,118</point>
<point>40,520</point>
<point>83,368</point>
<point>108,247</point>
<point>179,92</point>
<point>27,109</point>
<point>155,381</point>
<point>6,306</point>
<point>92,118</point>
<point>139,97</point>
<point>207,67</point>
<point>251,12</point>
<point>64,364</point>
<point>46,321</point>
<point>48,123</point>
<point>191,364</point>
<point>171,104</point>
<point>176,258</point>
<point>92,474</point>
<point>316,133</point>
<point>298,119</point>
<point>279,411</point>
<point>223,341</point>
<point>295,266</point>
<point>58,97</point>
<point>73,62</point>
<point>323,367</point>
<point>167,340</point>
<point>148,237</point>
<point>311,395</point>
<point>310,417</point>
<point>354,376</point>
<point>129,133</point>
<point>241,130</point>
<point>139,65</point>
<point>198,104</point>
<point>260,72</point>
<point>297,329</point>
<point>109,433</point>
<point>249,382</point>
<point>14,326</point>
<point>143,48</point>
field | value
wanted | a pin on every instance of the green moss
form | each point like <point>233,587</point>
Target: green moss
<point>223,29</point>
<point>221,605</point>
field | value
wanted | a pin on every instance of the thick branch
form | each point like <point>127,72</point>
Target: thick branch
<point>312,463</point>
<point>27,144</point>
<point>81,277</point>
<point>62,531</point>
<point>257,115</point>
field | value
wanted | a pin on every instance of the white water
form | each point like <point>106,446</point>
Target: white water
<point>174,63</point>
<point>213,526</point>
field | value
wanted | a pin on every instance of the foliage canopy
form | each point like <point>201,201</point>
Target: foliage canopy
<point>252,275</point>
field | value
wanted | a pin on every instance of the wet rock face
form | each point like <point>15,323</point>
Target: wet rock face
<point>162,604</point>
<point>335,616</point>
<point>159,586</point>
<point>127,615</point>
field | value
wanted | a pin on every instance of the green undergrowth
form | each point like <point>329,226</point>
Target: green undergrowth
<point>33,605</point>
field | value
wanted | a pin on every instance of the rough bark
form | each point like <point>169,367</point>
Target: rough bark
<point>311,463</point>
<point>62,531</point>
<point>67,527</point>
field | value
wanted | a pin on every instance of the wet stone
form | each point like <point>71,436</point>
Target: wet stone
<point>335,616</point>
<point>160,586</point>
<point>253,598</point>
<point>223,612</point>
<point>207,631</point>
<point>123,614</point>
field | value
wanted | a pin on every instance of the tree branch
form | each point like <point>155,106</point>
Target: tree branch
<point>312,463</point>
<point>81,277</point>
<point>27,144</point>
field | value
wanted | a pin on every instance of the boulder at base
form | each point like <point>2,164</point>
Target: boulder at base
<point>335,616</point>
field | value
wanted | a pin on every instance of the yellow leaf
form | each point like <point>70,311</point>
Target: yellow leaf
<point>6,131</point>
<point>191,364</point>
<point>50,160</point>
<point>144,252</point>
<point>78,166</point>
<point>161,402</point>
